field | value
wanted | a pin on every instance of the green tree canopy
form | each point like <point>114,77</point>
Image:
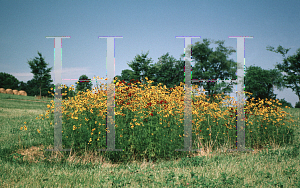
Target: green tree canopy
<point>141,68</point>
<point>42,77</point>
<point>83,84</point>
<point>8,81</point>
<point>209,64</point>
<point>260,82</point>
<point>31,88</point>
<point>126,75</point>
<point>168,71</point>
<point>22,86</point>
<point>291,66</point>
<point>212,65</point>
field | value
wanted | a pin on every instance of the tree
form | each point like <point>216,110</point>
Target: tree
<point>41,74</point>
<point>83,84</point>
<point>126,75</point>
<point>178,74</point>
<point>211,65</point>
<point>168,71</point>
<point>141,68</point>
<point>8,81</point>
<point>22,86</point>
<point>284,103</point>
<point>291,66</point>
<point>31,87</point>
<point>260,82</point>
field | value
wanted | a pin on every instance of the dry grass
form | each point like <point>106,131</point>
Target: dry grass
<point>9,91</point>
<point>42,97</point>
<point>18,113</point>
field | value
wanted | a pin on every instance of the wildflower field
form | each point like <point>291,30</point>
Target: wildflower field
<point>149,127</point>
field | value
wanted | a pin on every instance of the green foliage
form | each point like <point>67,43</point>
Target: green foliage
<point>285,103</point>
<point>170,72</point>
<point>42,77</point>
<point>297,105</point>
<point>260,82</point>
<point>8,81</point>
<point>84,84</point>
<point>45,90</point>
<point>21,140</point>
<point>140,67</point>
<point>23,86</point>
<point>51,91</point>
<point>291,66</point>
<point>70,93</point>
<point>167,71</point>
<point>32,88</point>
<point>211,65</point>
<point>126,75</point>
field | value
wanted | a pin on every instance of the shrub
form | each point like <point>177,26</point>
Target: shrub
<point>285,103</point>
<point>150,125</point>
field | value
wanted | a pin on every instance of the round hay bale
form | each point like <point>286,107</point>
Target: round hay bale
<point>9,91</point>
<point>16,92</point>
<point>21,92</point>
<point>2,90</point>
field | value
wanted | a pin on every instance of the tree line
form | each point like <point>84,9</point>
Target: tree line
<point>209,64</point>
<point>41,85</point>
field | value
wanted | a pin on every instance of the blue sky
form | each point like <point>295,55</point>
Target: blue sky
<point>146,25</point>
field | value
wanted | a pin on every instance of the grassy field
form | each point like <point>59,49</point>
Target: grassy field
<point>24,163</point>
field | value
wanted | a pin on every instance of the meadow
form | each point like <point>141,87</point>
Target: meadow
<point>149,127</point>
